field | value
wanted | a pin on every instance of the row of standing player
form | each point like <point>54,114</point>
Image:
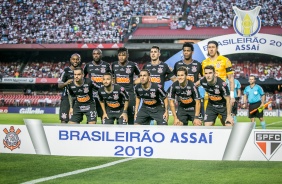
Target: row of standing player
<point>149,88</point>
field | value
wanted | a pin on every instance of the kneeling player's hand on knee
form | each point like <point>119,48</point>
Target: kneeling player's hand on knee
<point>124,116</point>
<point>197,122</point>
<point>229,121</point>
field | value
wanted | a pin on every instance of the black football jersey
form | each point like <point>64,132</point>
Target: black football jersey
<point>124,75</point>
<point>159,73</point>
<point>194,69</point>
<point>84,92</point>
<point>115,99</point>
<point>96,72</point>
<point>151,97</point>
<point>217,91</point>
<point>185,96</point>
<point>65,76</point>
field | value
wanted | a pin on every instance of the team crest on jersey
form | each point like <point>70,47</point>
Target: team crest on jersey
<point>64,116</point>
<point>216,91</point>
<point>86,90</point>
<point>103,70</point>
<point>128,70</point>
<point>268,142</point>
<point>115,96</point>
<point>152,94</point>
<point>12,140</point>
<point>188,92</point>
<point>160,70</point>
<point>218,65</point>
<point>194,68</point>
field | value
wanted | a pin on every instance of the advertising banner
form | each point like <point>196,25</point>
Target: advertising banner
<point>3,109</point>
<point>46,81</point>
<point>171,142</point>
<point>18,80</point>
<point>32,110</point>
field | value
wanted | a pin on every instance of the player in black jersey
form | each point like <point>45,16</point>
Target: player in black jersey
<point>219,98</point>
<point>81,98</point>
<point>65,79</point>
<point>194,67</point>
<point>187,95</point>
<point>152,106</point>
<point>124,72</point>
<point>114,101</point>
<point>95,70</point>
<point>159,70</point>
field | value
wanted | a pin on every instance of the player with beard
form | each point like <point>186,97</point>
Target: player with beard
<point>187,95</point>
<point>219,98</point>
<point>65,79</point>
<point>124,72</point>
<point>81,98</point>
<point>152,106</point>
<point>193,66</point>
<point>95,70</point>
<point>114,101</point>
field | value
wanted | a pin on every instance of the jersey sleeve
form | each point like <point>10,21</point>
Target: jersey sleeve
<point>85,70</point>
<point>225,89</point>
<point>171,92</point>
<point>63,77</point>
<point>162,92</point>
<point>136,69</point>
<point>100,97</point>
<point>124,93</point>
<point>195,92</point>
<point>260,90</point>
<point>169,72</point>
<point>228,67</point>
<point>136,91</point>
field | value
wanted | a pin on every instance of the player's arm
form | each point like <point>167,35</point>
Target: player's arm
<point>137,81</point>
<point>262,100</point>
<point>228,109</point>
<point>103,106</point>
<point>166,109</point>
<point>232,86</point>
<point>239,93</point>
<point>71,98</point>
<point>63,82</point>
<point>245,99</point>
<point>196,97</point>
<point>137,103</point>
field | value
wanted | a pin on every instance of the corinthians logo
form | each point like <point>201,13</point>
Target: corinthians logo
<point>268,143</point>
<point>12,140</point>
<point>247,23</point>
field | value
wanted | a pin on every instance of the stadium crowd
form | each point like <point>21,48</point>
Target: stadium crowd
<point>84,21</point>
<point>107,21</point>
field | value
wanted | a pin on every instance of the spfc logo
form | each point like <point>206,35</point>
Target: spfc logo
<point>152,95</point>
<point>115,96</point>
<point>194,68</point>
<point>247,23</point>
<point>160,70</point>
<point>12,140</point>
<point>268,143</point>
<point>85,90</point>
<point>128,70</point>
